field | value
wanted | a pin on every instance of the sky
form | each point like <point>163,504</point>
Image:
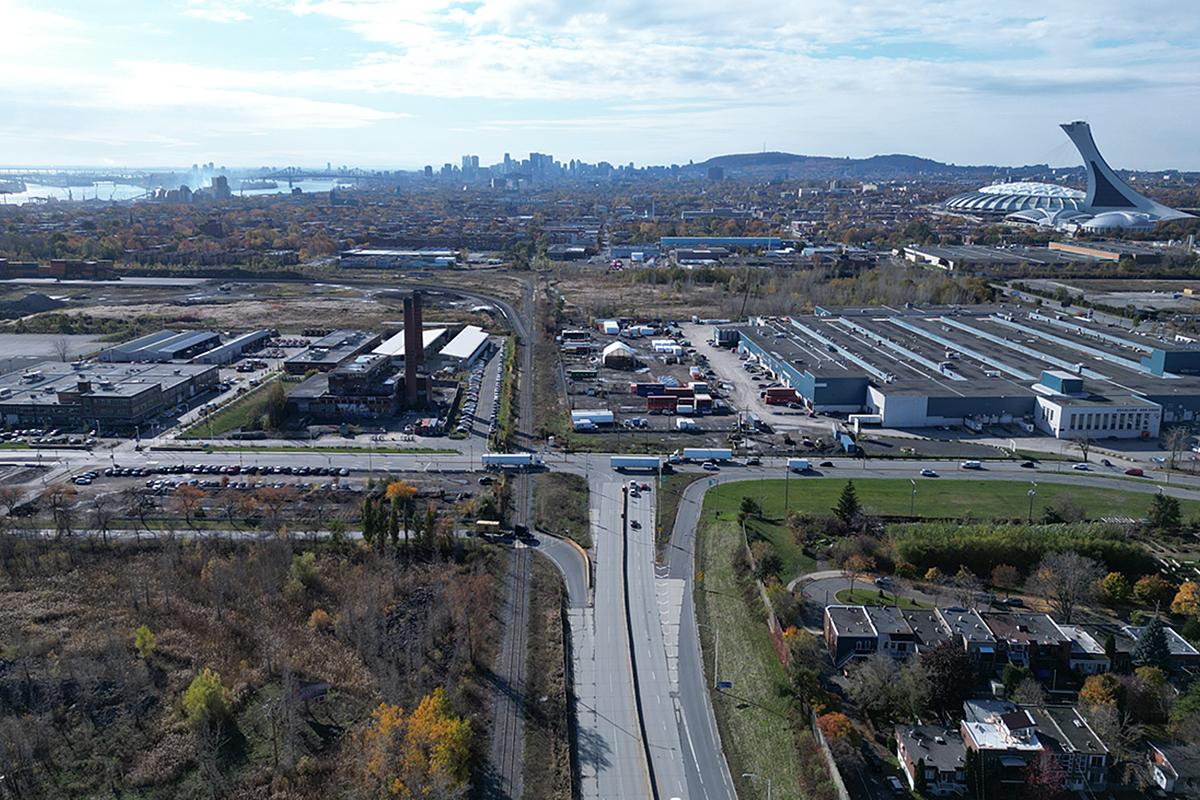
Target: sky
<point>404,83</point>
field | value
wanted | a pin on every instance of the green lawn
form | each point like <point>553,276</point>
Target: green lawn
<point>874,597</point>
<point>234,416</point>
<point>753,715</point>
<point>939,497</point>
<point>795,561</point>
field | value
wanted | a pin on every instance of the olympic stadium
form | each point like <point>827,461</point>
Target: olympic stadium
<point>1108,205</point>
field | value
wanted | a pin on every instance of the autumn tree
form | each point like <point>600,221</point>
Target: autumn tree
<point>424,754</point>
<point>1114,588</point>
<point>1101,690</point>
<point>1005,576</point>
<point>60,499</point>
<point>400,496</point>
<point>1066,580</point>
<point>835,725</point>
<point>186,501</point>
<point>273,502</point>
<point>858,566</point>
<point>1187,600</point>
<point>1043,778</point>
<point>951,674</point>
<point>1153,590</point>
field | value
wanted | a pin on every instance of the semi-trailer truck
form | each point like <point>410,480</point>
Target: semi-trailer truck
<point>511,460</point>
<point>705,454</point>
<point>652,463</point>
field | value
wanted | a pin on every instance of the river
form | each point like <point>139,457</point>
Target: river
<point>107,191</point>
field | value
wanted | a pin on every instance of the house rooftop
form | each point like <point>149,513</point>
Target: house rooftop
<point>938,746</point>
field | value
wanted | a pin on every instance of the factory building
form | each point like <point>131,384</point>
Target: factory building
<point>164,345</point>
<point>1066,376</point>
<point>471,344</point>
<point>390,258</point>
<point>331,351</point>
<point>393,346</point>
<point>114,395</point>
<point>235,348</point>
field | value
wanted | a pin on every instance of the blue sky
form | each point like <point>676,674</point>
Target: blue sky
<point>409,82</point>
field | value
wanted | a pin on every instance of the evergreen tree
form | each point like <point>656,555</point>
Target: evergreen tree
<point>848,508</point>
<point>920,784</point>
<point>368,521</point>
<point>1110,648</point>
<point>1152,649</point>
<point>1164,513</point>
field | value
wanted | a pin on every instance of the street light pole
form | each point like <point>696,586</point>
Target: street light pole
<point>1032,494</point>
<point>716,649</point>
<point>912,501</point>
<point>759,778</point>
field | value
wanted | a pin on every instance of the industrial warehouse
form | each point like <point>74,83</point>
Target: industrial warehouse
<point>1065,376</point>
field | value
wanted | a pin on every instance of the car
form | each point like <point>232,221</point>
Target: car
<point>1014,601</point>
<point>753,461</point>
<point>1081,467</point>
<point>1028,464</point>
<point>486,480</point>
<point>633,523</point>
<point>896,786</point>
<point>825,464</point>
<point>645,487</point>
<point>928,473</point>
<point>1106,462</point>
<point>971,465</point>
<point>709,466</point>
<point>1135,472</point>
<point>883,580</point>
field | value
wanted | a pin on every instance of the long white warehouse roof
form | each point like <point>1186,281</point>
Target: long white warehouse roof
<point>394,346</point>
<point>465,345</point>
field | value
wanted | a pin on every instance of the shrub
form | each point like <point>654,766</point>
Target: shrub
<point>319,620</point>
<point>204,700</point>
<point>950,546</point>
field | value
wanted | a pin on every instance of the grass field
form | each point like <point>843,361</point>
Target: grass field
<point>874,597</point>
<point>756,733</point>
<point>238,414</point>
<point>670,490</point>
<point>560,506</point>
<point>940,497</point>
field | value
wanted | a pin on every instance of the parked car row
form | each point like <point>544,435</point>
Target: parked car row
<point>470,405</point>
<point>52,436</point>
<point>166,485</point>
<point>221,469</point>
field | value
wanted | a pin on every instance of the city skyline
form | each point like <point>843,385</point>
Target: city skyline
<point>385,85</point>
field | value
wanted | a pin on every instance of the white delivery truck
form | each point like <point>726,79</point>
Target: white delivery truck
<point>798,464</point>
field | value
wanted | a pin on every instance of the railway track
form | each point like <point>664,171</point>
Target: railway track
<point>508,727</point>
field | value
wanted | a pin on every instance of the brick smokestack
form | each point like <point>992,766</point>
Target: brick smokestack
<point>411,352</point>
<point>419,324</point>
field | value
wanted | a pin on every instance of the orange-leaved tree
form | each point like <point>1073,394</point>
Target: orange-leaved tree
<point>421,755</point>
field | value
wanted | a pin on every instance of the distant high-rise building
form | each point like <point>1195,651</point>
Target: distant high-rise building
<point>428,171</point>
<point>220,187</point>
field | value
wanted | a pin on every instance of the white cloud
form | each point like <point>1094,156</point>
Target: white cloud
<point>216,11</point>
